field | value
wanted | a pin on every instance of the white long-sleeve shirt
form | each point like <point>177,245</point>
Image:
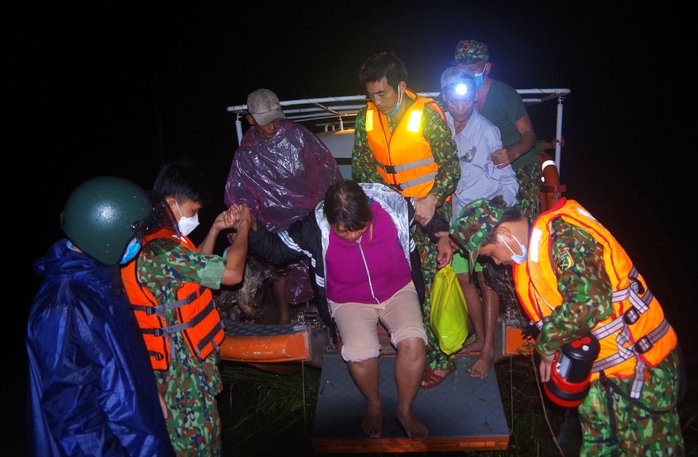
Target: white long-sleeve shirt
<point>480,178</point>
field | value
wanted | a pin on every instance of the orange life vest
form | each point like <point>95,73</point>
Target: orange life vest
<point>403,158</point>
<point>635,335</point>
<point>197,317</point>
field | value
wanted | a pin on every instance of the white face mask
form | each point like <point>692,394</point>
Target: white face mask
<point>187,224</point>
<point>519,259</point>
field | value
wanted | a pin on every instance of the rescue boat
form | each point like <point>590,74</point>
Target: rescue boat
<point>308,341</point>
<point>332,118</point>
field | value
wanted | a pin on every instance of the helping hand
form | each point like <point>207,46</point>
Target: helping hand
<point>445,248</point>
<point>424,209</point>
<point>546,366</point>
<point>503,157</point>
<point>244,216</point>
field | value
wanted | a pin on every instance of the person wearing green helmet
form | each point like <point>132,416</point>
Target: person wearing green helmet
<point>91,389</point>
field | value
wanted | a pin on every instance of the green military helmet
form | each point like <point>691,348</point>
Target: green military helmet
<point>99,215</point>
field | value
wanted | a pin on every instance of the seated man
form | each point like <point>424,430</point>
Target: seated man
<point>281,170</point>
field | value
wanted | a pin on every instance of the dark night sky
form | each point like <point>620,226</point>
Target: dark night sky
<point>116,89</point>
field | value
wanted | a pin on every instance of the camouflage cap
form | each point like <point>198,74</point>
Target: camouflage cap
<point>476,220</point>
<point>470,51</point>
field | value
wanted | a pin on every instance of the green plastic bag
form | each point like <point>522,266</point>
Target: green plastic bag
<point>449,313</point>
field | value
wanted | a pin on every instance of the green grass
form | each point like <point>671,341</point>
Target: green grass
<point>262,410</point>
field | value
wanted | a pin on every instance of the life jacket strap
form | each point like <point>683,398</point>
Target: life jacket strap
<point>209,338</point>
<point>160,309</point>
<point>639,304</point>
<point>633,292</point>
<point>394,169</point>
<point>156,355</point>
<point>422,179</point>
<point>641,346</point>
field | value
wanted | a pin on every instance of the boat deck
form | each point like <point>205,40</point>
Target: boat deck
<point>462,413</point>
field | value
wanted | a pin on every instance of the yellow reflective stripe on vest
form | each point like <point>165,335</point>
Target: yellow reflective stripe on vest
<point>415,121</point>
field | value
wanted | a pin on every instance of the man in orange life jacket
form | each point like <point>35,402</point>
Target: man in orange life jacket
<point>168,285</point>
<point>573,278</point>
<point>403,140</point>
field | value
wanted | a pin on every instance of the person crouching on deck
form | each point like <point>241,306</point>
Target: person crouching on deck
<point>574,279</point>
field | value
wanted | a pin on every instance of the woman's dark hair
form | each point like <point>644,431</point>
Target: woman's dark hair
<point>347,203</point>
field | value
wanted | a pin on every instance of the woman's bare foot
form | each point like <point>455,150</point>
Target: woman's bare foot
<point>414,428</point>
<point>372,422</point>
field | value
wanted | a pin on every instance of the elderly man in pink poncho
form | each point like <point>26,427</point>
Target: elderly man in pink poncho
<point>281,170</point>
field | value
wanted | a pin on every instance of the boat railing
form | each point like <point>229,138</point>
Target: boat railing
<point>338,113</point>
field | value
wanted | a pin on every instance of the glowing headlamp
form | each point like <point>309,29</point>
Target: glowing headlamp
<point>461,89</point>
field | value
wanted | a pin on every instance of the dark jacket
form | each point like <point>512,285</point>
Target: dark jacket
<point>308,238</point>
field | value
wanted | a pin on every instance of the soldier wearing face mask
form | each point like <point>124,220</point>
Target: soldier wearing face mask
<point>169,285</point>
<point>574,278</point>
<point>503,106</point>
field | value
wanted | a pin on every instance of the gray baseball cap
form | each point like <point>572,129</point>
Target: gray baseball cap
<point>264,106</point>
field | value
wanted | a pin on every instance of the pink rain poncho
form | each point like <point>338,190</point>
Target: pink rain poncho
<point>282,179</point>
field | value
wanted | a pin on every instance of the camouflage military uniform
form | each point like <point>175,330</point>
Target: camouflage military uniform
<point>529,177</point>
<point>613,422</point>
<point>586,299</point>
<point>443,147</point>
<point>188,386</point>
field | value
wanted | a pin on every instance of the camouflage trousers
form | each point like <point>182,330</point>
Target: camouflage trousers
<point>637,432</point>
<point>428,252</point>
<point>528,198</point>
<point>189,388</point>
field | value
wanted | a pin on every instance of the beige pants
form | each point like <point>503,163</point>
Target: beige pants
<point>401,314</point>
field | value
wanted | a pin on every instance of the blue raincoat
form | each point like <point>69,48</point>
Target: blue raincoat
<point>92,391</point>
